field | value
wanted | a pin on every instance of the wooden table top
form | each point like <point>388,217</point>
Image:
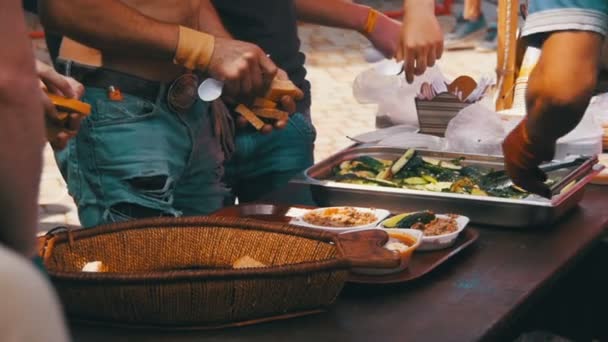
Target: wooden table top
<point>479,295</point>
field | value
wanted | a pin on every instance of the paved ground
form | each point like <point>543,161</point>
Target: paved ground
<point>334,60</point>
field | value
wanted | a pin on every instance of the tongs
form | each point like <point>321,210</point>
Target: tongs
<point>502,177</point>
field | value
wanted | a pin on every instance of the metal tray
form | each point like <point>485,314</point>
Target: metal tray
<point>530,211</point>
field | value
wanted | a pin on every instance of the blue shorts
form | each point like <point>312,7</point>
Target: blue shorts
<point>545,16</point>
<point>136,158</point>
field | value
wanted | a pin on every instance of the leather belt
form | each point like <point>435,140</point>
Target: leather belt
<point>180,94</point>
<point>105,78</point>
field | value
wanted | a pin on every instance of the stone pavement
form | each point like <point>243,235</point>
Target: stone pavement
<point>333,61</point>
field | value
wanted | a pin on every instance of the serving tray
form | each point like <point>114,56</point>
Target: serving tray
<point>420,264</point>
<point>517,213</point>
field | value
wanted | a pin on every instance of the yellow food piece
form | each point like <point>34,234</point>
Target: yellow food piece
<point>270,113</point>
<point>250,116</point>
<point>246,262</point>
<point>64,104</point>
<point>264,103</point>
<point>280,88</point>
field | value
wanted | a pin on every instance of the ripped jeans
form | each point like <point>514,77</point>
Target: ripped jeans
<point>134,159</point>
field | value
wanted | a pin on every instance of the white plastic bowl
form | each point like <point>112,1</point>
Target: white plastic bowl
<point>433,243</point>
<point>380,214</point>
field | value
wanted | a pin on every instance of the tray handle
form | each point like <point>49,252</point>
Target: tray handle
<point>365,248</point>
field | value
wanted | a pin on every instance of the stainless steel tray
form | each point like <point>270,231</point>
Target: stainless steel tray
<point>531,211</point>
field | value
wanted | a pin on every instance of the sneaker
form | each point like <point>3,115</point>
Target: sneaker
<point>465,34</point>
<point>490,41</point>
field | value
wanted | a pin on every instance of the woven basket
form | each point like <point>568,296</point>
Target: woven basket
<point>177,272</point>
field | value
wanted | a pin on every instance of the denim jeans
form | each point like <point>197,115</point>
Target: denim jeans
<point>262,163</point>
<point>135,158</point>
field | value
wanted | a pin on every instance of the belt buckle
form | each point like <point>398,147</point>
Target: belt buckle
<point>182,93</point>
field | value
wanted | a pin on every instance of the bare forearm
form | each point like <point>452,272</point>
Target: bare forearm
<point>210,20</point>
<point>419,6</point>
<point>336,13</point>
<point>110,25</point>
<point>21,133</point>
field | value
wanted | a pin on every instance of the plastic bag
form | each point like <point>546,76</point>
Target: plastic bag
<point>586,138</point>
<point>394,96</point>
<point>476,129</point>
<point>414,140</point>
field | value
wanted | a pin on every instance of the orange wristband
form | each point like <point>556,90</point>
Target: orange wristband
<point>370,22</point>
<point>194,49</point>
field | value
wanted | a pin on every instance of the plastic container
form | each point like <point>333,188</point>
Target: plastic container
<point>432,243</point>
<point>380,214</point>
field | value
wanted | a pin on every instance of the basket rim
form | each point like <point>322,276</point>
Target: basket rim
<point>69,236</point>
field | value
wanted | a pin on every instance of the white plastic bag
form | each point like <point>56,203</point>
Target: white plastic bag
<point>476,129</point>
<point>586,138</point>
<point>394,96</point>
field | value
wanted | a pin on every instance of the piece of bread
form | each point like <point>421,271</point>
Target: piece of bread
<point>280,88</point>
<point>250,116</point>
<point>270,113</point>
<point>246,262</point>
<point>94,266</point>
<point>264,103</point>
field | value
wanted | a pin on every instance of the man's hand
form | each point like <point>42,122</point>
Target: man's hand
<point>421,38</point>
<point>385,35</point>
<point>243,67</point>
<point>523,156</point>
<point>61,127</point>
<point>286,104</point>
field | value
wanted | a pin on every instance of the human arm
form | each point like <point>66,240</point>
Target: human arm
<point>21,134</point>
<point>59,130</point>
<point>559,90</point>
<point>384,33</point>
<point>210,21</point>
<point>116,27</point>
<point>421,40</point>
<point>110,25</point>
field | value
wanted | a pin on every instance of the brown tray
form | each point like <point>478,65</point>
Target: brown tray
<point>421,264</point>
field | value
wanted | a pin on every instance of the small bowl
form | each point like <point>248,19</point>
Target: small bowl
<point>380,214</point>
<point>411,237</point>
<point>436,242</point>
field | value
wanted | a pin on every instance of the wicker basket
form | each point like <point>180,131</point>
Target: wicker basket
<point>177,272</point>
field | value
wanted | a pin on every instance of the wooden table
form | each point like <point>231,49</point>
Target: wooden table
<point>483,294</point>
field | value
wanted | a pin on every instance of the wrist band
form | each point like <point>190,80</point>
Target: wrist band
<point>370,22</point>
<point>194,49</point>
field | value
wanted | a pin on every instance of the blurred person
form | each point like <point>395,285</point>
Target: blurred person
<point>472,31</point>
<point>570,35</point>
<point>262,163</point>
<point>149,147</point>
<point>30,311</point>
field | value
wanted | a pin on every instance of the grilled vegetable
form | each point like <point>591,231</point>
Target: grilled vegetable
<point>400,163</point>
<point>478,192</point>
<point>415,181</point>
<point>413,171</point>
<point>393,221</point>
<point>438,187</point>
<point>371,163</point>
<point>429,179</point>
<point>463,185</point>
<point>409,220</point>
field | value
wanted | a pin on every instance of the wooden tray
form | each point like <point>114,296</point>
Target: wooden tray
<point>420,264</point>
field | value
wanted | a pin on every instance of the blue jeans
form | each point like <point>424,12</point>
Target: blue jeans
<point>262,163</point>
<point>134,159</point>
